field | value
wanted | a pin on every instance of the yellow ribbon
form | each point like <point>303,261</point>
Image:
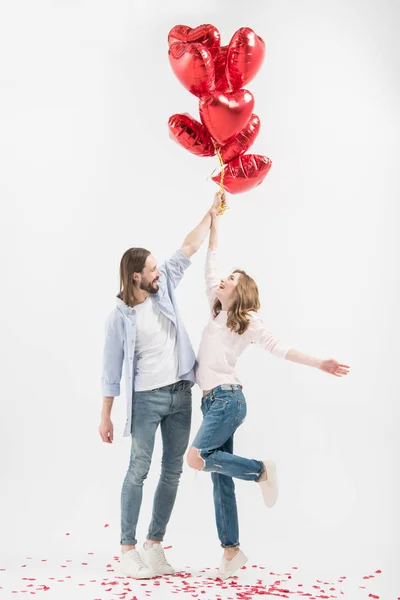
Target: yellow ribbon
<point>223,206</point>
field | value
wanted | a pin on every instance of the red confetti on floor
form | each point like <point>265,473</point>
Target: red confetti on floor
<point>249,583</point>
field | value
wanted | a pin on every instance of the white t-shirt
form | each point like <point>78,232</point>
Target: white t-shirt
<point>220,347</point>
<point>156,348</point>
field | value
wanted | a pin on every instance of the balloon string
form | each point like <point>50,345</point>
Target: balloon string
<point>223,206</point>
<point>221,163</point>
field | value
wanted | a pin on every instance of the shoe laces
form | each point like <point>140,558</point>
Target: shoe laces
<point>138,560</point>
<point>159,554</point>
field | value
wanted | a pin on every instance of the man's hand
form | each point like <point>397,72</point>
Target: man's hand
<point>106,431</point>
<point>195,238</point>
<point>219,201</point>
<point>214,219</point>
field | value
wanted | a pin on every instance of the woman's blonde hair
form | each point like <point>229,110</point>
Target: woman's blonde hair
<point>246,300</point>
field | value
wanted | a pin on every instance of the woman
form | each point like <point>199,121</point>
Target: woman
<point>233,325</point>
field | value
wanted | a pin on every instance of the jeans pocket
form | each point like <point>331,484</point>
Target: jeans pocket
<point>185,398</point>
<point>219,404</point>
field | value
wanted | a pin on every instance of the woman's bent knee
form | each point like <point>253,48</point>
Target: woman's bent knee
<point>194,459</point>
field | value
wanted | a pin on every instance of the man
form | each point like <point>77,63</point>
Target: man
<point>146,335</point>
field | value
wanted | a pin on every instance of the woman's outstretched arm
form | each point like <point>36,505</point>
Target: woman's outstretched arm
<point>331,366</point>
<point>260,335</point>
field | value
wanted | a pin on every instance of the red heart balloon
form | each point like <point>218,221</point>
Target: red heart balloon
<point>244,173</point>
<point>242,142</point>
<point>207,35</point>
<point>246,53</point>
<point>191,134</point>
<point>194,67</point>
<point>225,115</point>
<point>221,82</point>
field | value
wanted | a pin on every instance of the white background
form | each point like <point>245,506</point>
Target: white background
<point>88,170</point>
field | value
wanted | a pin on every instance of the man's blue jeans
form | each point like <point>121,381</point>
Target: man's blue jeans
<point>171,408</point>
<point>224,409</point>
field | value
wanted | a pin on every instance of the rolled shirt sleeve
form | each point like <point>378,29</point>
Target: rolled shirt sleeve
<point>113,355</point>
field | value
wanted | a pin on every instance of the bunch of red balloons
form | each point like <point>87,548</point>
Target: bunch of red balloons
<point>217,75</point>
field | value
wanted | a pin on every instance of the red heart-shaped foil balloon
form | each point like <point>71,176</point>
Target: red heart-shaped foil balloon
<point>245,55</point>
<point>225,115</point>
<point>207,35</point>
<point>242,142</point>
<point>191,134</point>
<point>194,67</point>
<point>221,82</point>
<point>244,173</point>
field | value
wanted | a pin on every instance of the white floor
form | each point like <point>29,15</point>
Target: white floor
<point>95,576</point>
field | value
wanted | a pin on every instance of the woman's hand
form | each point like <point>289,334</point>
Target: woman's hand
<point>332,367</point>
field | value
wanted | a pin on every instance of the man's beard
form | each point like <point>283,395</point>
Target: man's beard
<point>151,287</point>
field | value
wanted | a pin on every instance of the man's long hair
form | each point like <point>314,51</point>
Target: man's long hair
<point>132,261</point>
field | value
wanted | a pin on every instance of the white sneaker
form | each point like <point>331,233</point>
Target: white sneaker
<point>154,557</point>
<point>132,565</point>
<point>229,567</point>
<point>269,487</point>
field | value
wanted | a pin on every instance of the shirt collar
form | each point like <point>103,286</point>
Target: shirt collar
<point>127,310</point>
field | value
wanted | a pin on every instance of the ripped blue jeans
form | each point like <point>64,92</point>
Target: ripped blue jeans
<point>224,409</point>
